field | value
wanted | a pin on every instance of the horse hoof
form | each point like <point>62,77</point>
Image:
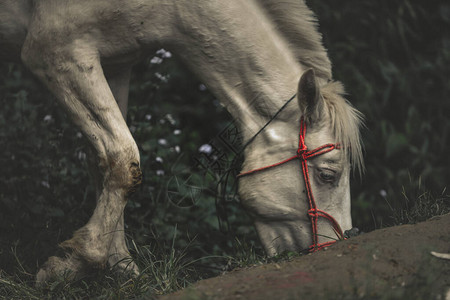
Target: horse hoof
<point>69,268</point>
<point>125,266</point>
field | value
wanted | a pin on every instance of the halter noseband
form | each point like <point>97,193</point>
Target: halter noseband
<point>313,212</point>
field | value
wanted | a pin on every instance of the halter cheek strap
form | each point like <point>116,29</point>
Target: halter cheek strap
<point>313,212</point>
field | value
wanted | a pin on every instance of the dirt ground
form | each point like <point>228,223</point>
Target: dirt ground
<point>391,263</point>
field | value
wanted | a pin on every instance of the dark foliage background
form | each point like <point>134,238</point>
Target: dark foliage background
<point>392,56</point>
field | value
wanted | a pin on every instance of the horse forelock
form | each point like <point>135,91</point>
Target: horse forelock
<point>346,122</point>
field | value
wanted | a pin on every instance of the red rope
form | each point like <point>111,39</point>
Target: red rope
<point>313,212</point>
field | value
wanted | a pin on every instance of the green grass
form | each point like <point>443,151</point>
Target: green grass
<point>418,204</point>
<point>167,267</point>
<point>159,275</point>
<point>161,272</point>
<point>163,269</point>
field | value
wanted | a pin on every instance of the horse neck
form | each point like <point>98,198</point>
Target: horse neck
<point>239,54</point>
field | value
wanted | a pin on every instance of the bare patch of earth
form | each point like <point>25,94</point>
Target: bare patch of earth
<point>391,263</point>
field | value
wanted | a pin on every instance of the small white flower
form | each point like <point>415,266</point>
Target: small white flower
<point>383,193</point>
<point>148,117</point>
<point>159,159</point>
<point>156,60</point>
<point>79,135</point>
<point>81,155</point>
<point>177,132</point>
<point>162,142</point>
<point>170,119</point>
<point>48,118</point>
<point>160,172</point>
<point>45,184</point>
<point>163,78</point>
<point>177,149</point>
<point>161,51</point>
<point>164,53</point>
<point>205,148</point>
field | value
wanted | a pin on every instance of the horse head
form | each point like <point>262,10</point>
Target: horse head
<point>298,188</point>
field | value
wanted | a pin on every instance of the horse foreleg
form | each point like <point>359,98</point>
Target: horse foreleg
<point>120,85</point>
<point>74,74</point>
<point>119,257</point>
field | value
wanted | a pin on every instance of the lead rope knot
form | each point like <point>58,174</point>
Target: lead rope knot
<point>301,152</point>
<point>313,213</point>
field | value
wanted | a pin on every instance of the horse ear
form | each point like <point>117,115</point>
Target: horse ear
<point>309,98</point>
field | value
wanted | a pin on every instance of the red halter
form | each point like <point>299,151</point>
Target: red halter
<point>313,212</point>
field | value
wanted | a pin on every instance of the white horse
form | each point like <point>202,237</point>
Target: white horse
<point>250,53</point>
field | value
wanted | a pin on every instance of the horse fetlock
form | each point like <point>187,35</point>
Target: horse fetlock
<point>71,268</point>
<point>123,263</point>
<point>87,246</point>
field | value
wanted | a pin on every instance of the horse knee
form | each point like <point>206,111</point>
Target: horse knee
<point>122,170</point>
<point>136,178</point>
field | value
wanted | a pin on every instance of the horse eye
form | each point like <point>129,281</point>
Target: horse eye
<point>327,176</point>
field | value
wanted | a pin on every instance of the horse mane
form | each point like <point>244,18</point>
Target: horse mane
<point>298,24</point>
<point>345,121</point>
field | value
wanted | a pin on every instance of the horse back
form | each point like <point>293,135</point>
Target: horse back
<point>114,28</point>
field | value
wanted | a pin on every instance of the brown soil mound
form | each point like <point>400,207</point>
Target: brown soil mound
<point>391,263</point>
